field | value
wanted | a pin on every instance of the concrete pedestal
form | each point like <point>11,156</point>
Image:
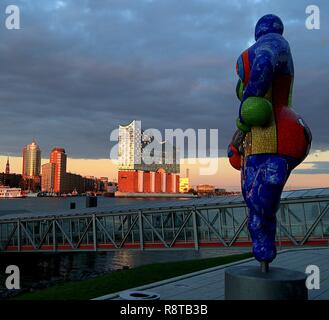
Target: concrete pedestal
<point>249,283</point>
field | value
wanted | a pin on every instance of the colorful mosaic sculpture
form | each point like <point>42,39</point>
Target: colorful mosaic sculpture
<point>271,139</point>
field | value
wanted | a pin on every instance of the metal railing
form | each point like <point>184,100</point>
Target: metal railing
<point>300,222</point>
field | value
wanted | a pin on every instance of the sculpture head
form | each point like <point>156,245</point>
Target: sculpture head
<point>269,23</point>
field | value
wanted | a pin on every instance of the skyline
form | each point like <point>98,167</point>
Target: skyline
<point>226,177</point>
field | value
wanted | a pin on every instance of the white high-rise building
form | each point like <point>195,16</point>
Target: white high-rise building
<point>130,146</point>
<point>143,165</point>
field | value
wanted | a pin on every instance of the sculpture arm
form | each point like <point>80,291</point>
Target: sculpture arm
<point>235,150</point>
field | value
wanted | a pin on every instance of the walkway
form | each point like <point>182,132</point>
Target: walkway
<point>209,284</point>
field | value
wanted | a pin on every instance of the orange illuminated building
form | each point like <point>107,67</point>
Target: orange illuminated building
<point>148,182</point>
<point>58,158</point>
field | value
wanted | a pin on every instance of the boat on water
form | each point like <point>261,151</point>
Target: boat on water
<point>11,193</point>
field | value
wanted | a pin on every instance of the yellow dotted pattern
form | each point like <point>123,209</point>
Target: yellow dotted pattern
<point>262,139</point>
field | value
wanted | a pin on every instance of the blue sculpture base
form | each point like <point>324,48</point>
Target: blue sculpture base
<point>250,283</point>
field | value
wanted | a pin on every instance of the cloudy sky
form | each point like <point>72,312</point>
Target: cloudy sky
<point>78,68</point>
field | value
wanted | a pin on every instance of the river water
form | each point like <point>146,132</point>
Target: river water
<point>49,267</point>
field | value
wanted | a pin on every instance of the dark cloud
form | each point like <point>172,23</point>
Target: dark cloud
<point>78,68</point>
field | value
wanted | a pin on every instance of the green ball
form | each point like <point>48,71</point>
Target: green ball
<point>243,127</point>
<point>256,111</point>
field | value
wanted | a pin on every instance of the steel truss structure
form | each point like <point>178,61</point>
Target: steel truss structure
<point>303,219</point>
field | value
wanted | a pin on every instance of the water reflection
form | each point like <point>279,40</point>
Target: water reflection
<point>36,268</point>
